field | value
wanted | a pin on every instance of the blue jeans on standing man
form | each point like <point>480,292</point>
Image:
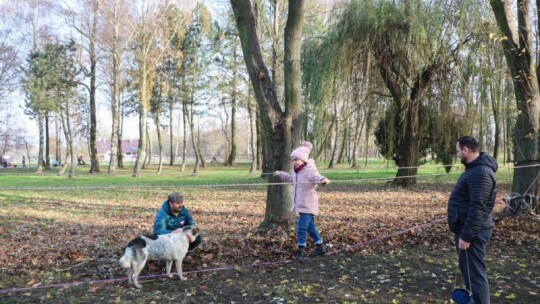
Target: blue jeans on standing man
<point>472,262</point>
<point>306,224</point>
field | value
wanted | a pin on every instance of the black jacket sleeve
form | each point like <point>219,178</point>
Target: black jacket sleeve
<point>480,187</point>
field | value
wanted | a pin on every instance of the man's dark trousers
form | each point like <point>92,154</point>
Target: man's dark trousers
<point>477,266</point>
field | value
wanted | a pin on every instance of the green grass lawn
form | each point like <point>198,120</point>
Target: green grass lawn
<point>376,172</point>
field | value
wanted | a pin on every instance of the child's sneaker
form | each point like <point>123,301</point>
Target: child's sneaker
<point>300,255</point>
<point>319,250</point>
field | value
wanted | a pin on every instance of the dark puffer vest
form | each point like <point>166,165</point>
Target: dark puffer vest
<point>472,200</point>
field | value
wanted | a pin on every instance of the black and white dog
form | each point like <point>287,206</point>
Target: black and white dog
<point>167,247</point>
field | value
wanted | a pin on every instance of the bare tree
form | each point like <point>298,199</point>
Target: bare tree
<point>86,23</point>
<point>515,22</point>
<point>115,38</point>
<point>280,128</point>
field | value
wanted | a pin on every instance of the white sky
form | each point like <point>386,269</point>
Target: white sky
<point>15,101</point>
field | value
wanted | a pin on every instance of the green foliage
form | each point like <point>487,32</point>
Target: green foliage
<point>50,78</point>
<point>388,141</point>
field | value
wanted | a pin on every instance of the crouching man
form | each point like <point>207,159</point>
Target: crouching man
<point>173,216</point>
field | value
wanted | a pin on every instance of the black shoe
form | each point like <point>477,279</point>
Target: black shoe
<point>197,242</point>
<point>300,255</point>
<point>319,250</point>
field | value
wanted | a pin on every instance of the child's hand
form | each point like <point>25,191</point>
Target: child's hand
<point>325,182</point>
<point>277,173</point>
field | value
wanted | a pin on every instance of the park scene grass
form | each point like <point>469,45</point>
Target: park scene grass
<point>62,239</point>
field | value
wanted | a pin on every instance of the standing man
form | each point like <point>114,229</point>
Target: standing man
<point>469,214</point>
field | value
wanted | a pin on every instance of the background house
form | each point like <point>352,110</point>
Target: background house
<point>129,149</point>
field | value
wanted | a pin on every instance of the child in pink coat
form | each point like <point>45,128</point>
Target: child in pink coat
<point>305,200</point>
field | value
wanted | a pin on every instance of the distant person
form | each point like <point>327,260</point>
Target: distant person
<point>173,216</point>
<point>469,215</point>
<point>305,178</point>
<point>24,161</point>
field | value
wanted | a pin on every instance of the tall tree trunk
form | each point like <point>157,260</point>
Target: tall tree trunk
<point>520,57</point>
<point>369,116</point>
<point>292,69</point>
<point>64,165</point>
<point>69,144</point>
<point>115,134</point>
<point>184,136</point>
<point>232,155</point>
<point>160,142</point>
<point>120,131</point>
<point>143,101</point>
<point>335,141</point>
<point>70,141</point>
<point>252,134</point>
<point>496,96</point>
<point>172,149</point>
<point>407,114</point>
<point>358,129</point>
<point>344,139</point>
<point>41,143</point>
<point>58,142</point>
<point>275,44</point>
<point>277,126</point>
<point>94,161</point>
<point>409,146</point>
<point>148,146</point>
<point>260,157</point>
<point>27,149</point>
<point>200,152</point>
<point>47,144</point>
<point>193,140</point>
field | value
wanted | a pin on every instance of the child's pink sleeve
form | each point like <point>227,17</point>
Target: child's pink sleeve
<point>286,177</point>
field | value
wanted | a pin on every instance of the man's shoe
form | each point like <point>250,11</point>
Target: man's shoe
<point>319,250</point>
<point>198,240</point>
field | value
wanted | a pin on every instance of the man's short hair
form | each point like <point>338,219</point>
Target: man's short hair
<point>175,197</point>
<point>470,142</point>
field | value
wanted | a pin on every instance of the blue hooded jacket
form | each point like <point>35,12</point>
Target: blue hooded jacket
<point>166,221</point>
<point>472,200</point>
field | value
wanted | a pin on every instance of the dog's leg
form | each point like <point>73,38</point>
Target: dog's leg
<point>135,275</point>
<point>168,268</point>
<point>179,269</point>
<point>130,275</point>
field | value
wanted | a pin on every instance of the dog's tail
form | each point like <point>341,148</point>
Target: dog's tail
<point>125,260</point>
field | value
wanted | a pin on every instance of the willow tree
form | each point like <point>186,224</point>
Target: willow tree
<point>515,22</point>
<point>277,125</point>
<point>411,42</point>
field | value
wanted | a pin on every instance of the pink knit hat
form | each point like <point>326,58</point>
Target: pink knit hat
<point>302,152</point>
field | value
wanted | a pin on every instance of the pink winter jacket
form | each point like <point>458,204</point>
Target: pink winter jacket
<point>304,196</point>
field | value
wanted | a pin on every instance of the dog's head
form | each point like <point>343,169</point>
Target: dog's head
<point>190,231</point>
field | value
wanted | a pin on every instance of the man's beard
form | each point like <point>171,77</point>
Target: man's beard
<point>463,160</point>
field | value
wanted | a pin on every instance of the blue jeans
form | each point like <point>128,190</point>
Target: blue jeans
<point>476,268</point>
<point>306,224</point>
